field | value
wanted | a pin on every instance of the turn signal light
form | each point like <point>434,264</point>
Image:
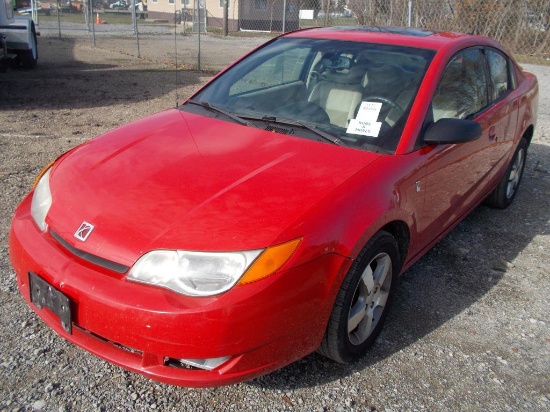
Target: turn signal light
<point>271,260</point>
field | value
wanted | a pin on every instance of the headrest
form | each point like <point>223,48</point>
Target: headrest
<point>353,75</point>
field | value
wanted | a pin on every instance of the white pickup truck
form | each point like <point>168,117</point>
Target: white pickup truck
<point>17,38</point>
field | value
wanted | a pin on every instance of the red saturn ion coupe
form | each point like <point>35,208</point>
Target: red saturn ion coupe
<point>271,214</point>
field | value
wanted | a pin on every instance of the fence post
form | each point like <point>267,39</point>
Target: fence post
<point>34,12</point>
<point>92,15</point>
<point>199,34</point>
<point>134,18</point>
<point>58,21</point>
<point>133,13</point>
<point>226,17</point>
<point>284,16</point>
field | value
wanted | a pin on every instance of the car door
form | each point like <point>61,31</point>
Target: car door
<point>503,101</point>
<point>458,175</point>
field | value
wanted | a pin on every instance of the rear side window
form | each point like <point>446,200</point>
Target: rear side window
<point>462,90</point>
<point>500,74</point>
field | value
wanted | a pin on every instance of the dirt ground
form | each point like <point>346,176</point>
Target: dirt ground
<point>470,325</point>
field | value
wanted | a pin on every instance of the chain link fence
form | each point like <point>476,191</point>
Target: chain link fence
<point>212,33</point>
<point>521,25</point>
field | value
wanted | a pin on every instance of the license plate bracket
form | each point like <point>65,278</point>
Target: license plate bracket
<point>45,295</point>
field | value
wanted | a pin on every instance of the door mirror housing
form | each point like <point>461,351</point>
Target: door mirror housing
<point>452,131</point>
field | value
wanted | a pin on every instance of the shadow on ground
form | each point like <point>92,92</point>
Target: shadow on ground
<point>61,82</point>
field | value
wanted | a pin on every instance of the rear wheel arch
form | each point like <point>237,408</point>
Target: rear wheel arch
<point>503,195</point>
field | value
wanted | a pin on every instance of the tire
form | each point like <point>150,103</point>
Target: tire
<point>363,300</point>
<point>29,58</point>
<point>505,192</point>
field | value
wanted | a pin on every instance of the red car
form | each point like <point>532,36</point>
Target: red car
<point>271,214</point>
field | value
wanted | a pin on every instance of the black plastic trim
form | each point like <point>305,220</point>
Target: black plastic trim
<point>96,260</point>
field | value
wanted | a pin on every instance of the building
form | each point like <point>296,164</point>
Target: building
<point>257,15</point>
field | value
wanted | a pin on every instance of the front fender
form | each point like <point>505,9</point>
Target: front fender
<point>384,192</point>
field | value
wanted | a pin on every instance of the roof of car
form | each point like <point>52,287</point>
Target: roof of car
<point>430,39</point>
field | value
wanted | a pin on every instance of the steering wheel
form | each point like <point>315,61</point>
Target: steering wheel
<point>382,99</point>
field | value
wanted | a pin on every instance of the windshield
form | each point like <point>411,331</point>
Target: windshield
<point>350,93</point>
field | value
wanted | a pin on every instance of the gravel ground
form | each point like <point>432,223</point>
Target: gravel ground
<point>469,330</point>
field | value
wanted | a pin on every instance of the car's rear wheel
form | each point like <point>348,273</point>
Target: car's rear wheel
<point>505,192</point>
<point>363,300</point>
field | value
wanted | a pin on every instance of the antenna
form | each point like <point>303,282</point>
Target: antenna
<point>176,48</point>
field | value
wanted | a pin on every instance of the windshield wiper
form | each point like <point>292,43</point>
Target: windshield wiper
<point>271,119</point>
<point>312,128</point>
<point>216,109</point>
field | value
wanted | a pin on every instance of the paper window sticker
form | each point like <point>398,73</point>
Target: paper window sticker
<point>360,127</point>
<point>369,111</point>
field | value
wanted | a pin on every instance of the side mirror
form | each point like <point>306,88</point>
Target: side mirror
<point>451,131</point>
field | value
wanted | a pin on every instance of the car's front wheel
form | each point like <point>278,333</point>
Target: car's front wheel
<point>504,193</point>
<point>363,300</point>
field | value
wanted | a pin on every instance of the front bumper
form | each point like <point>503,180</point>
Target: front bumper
<point>262,326</point>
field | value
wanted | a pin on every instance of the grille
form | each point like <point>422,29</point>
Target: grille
<point>96,260</point>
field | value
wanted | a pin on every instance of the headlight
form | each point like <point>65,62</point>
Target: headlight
<point>192,273</point>
<point>207,274</point>
<point>41,200</point>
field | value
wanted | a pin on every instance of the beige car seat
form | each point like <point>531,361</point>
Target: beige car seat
<point>339,94</point>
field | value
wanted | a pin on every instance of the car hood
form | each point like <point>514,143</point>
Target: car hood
<point>181,181</point>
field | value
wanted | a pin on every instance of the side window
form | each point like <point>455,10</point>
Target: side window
<point>281,69</point>
<point>498,66</point>
<point>462,89</point>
